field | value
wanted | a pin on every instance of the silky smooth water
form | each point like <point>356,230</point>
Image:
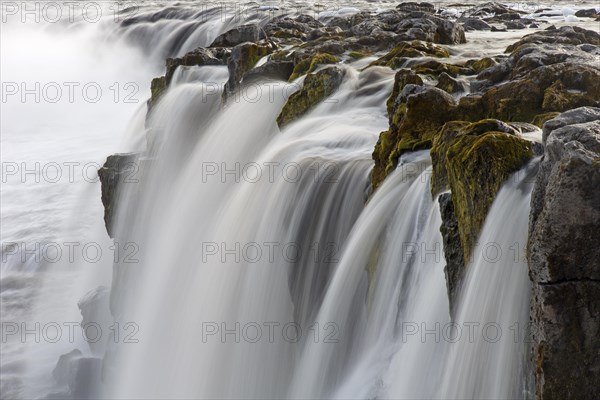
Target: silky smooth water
<point>217,245</point>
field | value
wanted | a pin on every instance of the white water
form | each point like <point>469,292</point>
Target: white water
<point>170,293</point>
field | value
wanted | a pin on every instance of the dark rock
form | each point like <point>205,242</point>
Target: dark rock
<point>498,28</point>
<point>453,252</point>
<point>485,9</point>
<point>515,25</point>
<point>564,35</point>
<point>415,6</point>
<point>271,70</point>
<point>563,250</point>
<point>243,58</point>
<point>431,29</point>
<point>475,24</point>
<point>241,34</point>
<point>118,170</point>
<point>449,84</point>
<point>395,58</point>
<point>317,86</point>
<point>589,13</point>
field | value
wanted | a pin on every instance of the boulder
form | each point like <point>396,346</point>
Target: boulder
<point>317,86</point>
<point>563,250</point>
<point>475,24</point>
<point>564,35</point>
<point>449,84</point>
<point>310,64</point>
<point>238,35</point>
<point>243,58</point>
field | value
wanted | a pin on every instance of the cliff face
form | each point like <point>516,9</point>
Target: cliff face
<point>564,258</point>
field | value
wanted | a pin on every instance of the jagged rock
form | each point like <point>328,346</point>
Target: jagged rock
<point>563,250</point>
<point>119,169</point>
<point>449,84</point>
<point>243,58</point>
<point>475,24</point>
<point>317,86</point>
<point>453,252</point>
<point>238,35</point>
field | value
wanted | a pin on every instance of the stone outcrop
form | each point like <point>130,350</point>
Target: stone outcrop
<point>117,171</point>
<point>316,87</point>
<point>563,255</point>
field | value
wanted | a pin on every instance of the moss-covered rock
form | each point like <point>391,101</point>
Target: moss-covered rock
<point>573,35</point>
<point>540,119</point>
<point>310,64</point>
<point>435,68</point>
<point>417,113</point>
<point>317,86</point>
<point>479,65</point>
<point>243,58</point>
<point>393,105</point>
<point>396,57</point>
<point>449,84</point>
<point>477,167</point>
<point>157,87</point>
<point>439,147</point>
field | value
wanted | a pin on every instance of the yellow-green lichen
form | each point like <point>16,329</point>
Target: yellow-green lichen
<point>310,64</point>
<point>477,167</point>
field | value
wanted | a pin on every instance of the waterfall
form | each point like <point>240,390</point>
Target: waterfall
<point>264,267</point>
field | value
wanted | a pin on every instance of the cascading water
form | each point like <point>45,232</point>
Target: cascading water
<point>261,269</point>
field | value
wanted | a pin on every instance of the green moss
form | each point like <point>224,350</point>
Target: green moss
<point>540,119</point>
<point>394,58</point>
<point>477,167</point>
<point>309,65</point>
<point>439,147</point>
<point>479,65</point>
<point>357,55</point>
<point>157,87</point>
<point>316,87</point>
<point>401,79</point>
<point>435,68</point>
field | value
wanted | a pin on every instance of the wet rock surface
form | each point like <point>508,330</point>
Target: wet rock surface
<point>119,169</point>
<point>563,252</point>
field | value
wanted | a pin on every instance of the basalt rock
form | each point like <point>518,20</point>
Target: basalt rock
<point>118,170</point>
<point>317,86</point>
<point>564,35</point>
<point>397,56</point>
<point>310,64</point>
<point>243,58</point>
<point>431,29</point>
<point>238,35</point>
<point>453,251</point>
<point>449,84</point>
<point>563,250</point>
<point>477,166</point>
<point>475,24</point>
